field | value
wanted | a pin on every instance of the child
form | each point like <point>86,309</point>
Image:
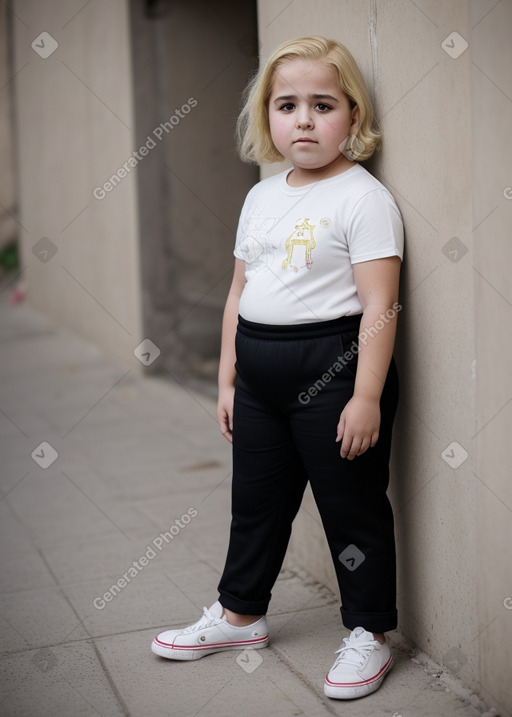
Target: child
<point>307,384</point>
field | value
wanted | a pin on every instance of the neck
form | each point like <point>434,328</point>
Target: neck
<point>299,176</point>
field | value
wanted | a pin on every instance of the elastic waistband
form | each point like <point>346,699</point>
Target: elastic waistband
<point>313,330</point>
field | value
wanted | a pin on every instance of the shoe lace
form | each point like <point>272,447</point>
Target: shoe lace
<point>354,652</point>
<point>205,621</point>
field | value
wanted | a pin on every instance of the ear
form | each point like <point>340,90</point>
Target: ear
<point>356,119</point>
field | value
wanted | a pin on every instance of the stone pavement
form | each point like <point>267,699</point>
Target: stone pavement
<point>137,497</point>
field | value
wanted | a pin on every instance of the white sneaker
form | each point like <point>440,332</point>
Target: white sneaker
<point>360,668</point>
<point>212,633</point>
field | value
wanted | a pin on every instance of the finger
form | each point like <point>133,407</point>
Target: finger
<point>223,423</point>
<point>346,446</point>
<point>365,444</point>
<point>340,431</point>
<point>226,432</point>
<point>354,449</point>
<point>375,438</point>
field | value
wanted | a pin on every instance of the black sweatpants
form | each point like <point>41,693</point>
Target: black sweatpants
<point>292,384</point>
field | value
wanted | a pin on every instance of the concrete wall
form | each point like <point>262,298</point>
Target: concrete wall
<point>445,111</point>
<point>75,129</point>
<point>491,110</point>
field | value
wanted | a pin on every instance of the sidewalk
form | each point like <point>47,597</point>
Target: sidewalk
<point>139,496</point>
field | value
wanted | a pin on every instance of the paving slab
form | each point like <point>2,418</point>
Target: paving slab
<point>62,680</point>
<point>236,683</point>
<point>307,641</point>
<point>147,601</point>
<point>53,507</point>
<point>39,617</point>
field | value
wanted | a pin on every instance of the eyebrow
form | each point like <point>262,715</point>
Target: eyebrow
<point>282,98</point>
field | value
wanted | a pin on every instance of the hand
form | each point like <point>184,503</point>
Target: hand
<point>358,427</point>
<point>225,412</point>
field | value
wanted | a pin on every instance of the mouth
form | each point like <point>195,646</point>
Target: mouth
<point>305,140</point>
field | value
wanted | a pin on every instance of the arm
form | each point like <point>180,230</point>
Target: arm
<point>227,371</point>
<point>377,288</point>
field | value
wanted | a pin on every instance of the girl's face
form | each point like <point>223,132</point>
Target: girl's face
<point>309,115</point>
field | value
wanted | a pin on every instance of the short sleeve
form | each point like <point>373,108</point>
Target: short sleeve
<point>240,232</point>
<point>375,229</point>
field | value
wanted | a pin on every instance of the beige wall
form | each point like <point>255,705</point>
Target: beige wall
<point>491,55</point>
<point>444,157</point>
<point>75,129</point>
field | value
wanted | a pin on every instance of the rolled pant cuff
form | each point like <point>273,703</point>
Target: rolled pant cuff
<point>243,607</point>
<point>371,621</point>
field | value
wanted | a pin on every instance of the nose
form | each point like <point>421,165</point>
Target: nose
<point>304,119</point>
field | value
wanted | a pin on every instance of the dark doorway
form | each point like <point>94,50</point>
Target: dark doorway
<point>191,61</point>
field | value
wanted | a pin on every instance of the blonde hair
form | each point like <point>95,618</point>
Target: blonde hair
<point>253,131</point>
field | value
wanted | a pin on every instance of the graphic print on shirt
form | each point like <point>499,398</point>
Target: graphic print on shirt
<point>301,236</point>
<point>256,248</point>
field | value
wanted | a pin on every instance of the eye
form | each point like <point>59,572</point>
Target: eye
<point>287,107</point>
<point>322,107</point>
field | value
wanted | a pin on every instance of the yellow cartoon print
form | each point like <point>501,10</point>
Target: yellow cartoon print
<point>302,235</point>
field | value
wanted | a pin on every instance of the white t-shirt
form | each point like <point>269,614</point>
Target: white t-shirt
<point>299,244</point>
